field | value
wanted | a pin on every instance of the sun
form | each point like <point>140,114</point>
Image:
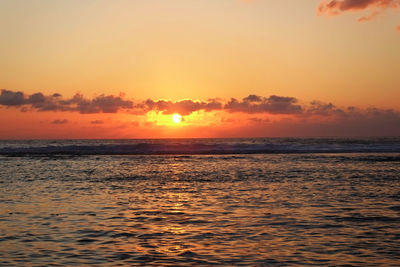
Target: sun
<point>176,118</point>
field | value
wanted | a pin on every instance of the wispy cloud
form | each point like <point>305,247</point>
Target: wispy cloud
<point>374,7</point>
<point>64,121</point>
<point>336,7</point>
<point>97,122</point>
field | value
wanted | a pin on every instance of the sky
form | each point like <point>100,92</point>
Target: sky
<point>229,68</point>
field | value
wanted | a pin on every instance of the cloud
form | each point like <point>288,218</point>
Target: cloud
<point>323,109</point>
<point>256,113</point>
<point>336,7</point>
<point>250,104</point>
<point>54,102</point>
<point>263,108</point>
<point>97,122</point>
<point>183,107</point>
<point>257,104</point>
<point>36,98</point>
<point>100,104</point>
<point>259,120</point>
<point>375,7</point>
<point>59,121</point>
<point>10,98</point>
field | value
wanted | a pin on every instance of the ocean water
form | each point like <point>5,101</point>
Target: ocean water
<point>200,202</point>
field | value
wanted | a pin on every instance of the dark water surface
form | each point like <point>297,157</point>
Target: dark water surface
<point>200,210</point>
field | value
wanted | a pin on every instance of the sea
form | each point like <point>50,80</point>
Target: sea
<point>200,202</point>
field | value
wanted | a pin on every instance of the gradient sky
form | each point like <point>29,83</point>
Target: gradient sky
<point>346,53</point>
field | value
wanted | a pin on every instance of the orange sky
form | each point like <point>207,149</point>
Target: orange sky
<point>118,54</point>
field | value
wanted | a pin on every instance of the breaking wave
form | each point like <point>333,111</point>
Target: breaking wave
<point>199,146</point>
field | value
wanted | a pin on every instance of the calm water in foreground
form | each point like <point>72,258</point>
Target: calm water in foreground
<point>259,209</point>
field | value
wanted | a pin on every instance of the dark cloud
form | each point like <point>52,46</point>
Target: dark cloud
<point>41,102</point>
<point>252,98</point>
<point>54,102</point>
<point>36,98</point>
<point>108,104</point>
<point>10,98</point>
<point>97,122</point>
<point>100,104</point>
<point>337,7</point>
<point>352,122</point>
<point>323,109</point>
<point>259,120</point>
<point>257,104</point>
<point>59,121</point>
<point>250,104</point>
<point>384,114</point>
<point>183,107</point>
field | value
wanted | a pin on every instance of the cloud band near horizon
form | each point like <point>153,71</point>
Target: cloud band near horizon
<point>252,104</point>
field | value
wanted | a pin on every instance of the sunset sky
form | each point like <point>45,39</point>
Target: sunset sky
<point>230,68</point>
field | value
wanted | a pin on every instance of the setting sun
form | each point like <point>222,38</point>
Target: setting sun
<point>176,118</point>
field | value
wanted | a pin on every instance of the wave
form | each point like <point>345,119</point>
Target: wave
<point>193,147</point>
